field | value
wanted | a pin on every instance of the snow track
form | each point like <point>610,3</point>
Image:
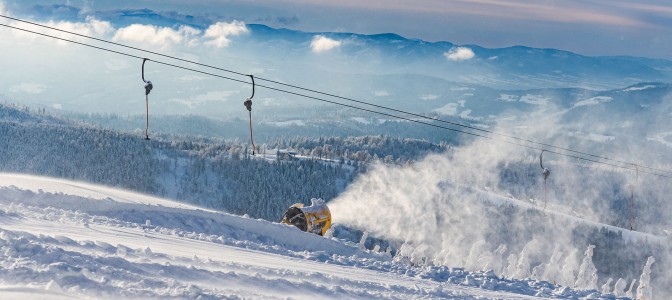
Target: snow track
<point>61,239</point>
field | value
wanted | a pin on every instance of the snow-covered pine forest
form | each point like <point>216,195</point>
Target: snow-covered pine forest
<point>208,172</point>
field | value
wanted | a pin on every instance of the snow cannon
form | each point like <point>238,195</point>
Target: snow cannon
<point>315,218</point>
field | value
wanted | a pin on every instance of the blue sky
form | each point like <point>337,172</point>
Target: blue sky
<point>591,27</point>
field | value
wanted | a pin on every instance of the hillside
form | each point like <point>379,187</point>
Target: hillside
<point>478,219</point>
<point>61,239</point>
<point>209,172</point>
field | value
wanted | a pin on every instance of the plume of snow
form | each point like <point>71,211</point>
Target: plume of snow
<point>459,54</point>
<point>218,34</point>
<point>322,43</point>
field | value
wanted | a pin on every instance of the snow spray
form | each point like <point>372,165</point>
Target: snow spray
<point>456,209</point>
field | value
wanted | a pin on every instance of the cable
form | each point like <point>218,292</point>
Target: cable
<point>336,96</point>
<point>361,108</point>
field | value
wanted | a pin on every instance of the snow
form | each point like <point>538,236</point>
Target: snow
<point>535,99</point>
<point>507,98</point>
<point>662,137</point>
<point>589,136</point>
<point>361,120</point>
<point>62,239</point>
<point>287,123</point>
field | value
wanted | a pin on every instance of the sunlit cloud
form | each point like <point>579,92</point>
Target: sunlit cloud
<point>162,37</point>
<point>459,54</point>
<point>322,43</point>
<point>92,27</point>
<point>218,34</point>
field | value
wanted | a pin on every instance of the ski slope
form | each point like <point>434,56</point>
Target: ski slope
<point>61,239</point>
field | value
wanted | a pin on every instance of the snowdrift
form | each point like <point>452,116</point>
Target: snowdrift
<point>62,239</point>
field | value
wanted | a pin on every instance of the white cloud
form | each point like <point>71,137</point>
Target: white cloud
<point>219,33</point>
<point>381,93</point>
<point>459,54</point>
<point>2,8</point>
<point>91,27</point>
<point>162,37</point>
<point>593,101</point>
<point>28,88</point>
<point>429,97</point>
<point>449,109</point>
<point>322,43</point>
<point>535,99</point>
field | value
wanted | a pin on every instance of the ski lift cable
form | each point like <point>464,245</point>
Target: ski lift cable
<point>360,108</point>
<point>336,96</point>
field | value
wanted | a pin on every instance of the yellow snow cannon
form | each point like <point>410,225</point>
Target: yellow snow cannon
<point>315,218</point>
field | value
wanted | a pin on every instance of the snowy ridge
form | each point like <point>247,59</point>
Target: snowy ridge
<point>82,240</point>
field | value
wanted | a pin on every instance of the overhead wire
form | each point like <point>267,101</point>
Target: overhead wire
<point>333,95</point>
<point>536,148</point>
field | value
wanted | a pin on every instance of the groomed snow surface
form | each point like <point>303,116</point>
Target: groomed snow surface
<point>64,240</point>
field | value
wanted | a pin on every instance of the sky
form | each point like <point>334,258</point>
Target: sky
<point>216,33</point>
<point>590,27</point>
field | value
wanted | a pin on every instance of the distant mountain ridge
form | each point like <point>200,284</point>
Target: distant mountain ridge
<point>509,67</point>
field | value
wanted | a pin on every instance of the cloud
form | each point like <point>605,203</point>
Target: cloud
<point>92,27</point>
<point>202,99</point>
<point>459,54</point>
<point>28,88</point>
<point>162,37</point>
<point>322,43</point>
<point>429,97</point>
<point>449,109</point>
<point>219,33</point>
<point>381,93</point>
